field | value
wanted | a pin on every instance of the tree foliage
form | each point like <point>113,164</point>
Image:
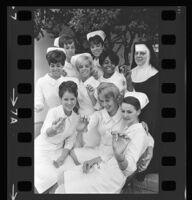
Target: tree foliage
<point>122,25</point>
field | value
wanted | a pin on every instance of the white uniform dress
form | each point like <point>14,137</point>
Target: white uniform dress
<point>107,177</point>
<point>48,149</point>
<point>97,67</point>
<point>47,91</point>
<point>85,103</point>
<point>118,79</point>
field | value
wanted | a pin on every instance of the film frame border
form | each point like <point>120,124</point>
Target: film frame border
<point>22,92</point>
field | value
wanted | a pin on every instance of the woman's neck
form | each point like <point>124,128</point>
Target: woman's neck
<point>84,79</point>
<point>146,66</point>
<point>108,75</point>
<point>130,123</point>
<point>68,59</point>
<point>68,113</point>
<point>53,76</point>
<point>114,111</point>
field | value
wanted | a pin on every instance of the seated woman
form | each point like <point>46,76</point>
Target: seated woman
<point>123,141</point>
<point>57,138</point>
<point>109,60</point>
<point>46,90</point>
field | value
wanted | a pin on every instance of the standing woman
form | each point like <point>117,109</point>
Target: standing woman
<point>145,78</point>
<point>96,42</point>
<point>46,90</point>
<point>57,138</point>
<point>87,83</point>
<point>67,42</point>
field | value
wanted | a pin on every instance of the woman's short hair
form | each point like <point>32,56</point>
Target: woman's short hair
<point>96,40</point>
<point>109,90</point>
<point>56,56</point>
<point>112,56</point>
<point>84,58</point>
<point>153,58</point>
<point>63,39</point>
<point>68,86</point>
<point>133,101</point>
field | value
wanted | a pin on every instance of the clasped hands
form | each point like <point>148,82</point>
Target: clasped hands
<point>87,165</point>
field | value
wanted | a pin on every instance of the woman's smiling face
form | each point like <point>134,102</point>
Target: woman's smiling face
<point>68,101</point>
<point>55,70</point>
<point>109,103</point>
<point>96,49</point>
<point>142,54</point>
<point>84,68</point>
<point>108,67</point>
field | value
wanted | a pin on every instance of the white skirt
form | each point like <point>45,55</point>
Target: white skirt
<point>46,174</point>
<point>103,178</point>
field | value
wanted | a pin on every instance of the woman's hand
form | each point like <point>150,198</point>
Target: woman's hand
<point>95,74</point>
<point>90,90</point>
<point>82,125</point>
<point>127,73</point>
<point>58,125</point>
<point>87,165</point>
<point>119,144</point>
<point>64,73</point>
<point>57,163</point>
<point>145,159</point>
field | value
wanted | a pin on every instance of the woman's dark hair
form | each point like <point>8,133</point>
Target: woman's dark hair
<point>133,101</point>
<point>69,86</point>
<point>153,58</point>
<point>96,40</point>
<point>112,56</point>
<point>56,56</point>
<point>63,39</point>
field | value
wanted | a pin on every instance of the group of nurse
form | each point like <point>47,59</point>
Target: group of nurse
<point>92,138</point>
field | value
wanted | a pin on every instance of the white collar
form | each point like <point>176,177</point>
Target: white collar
<point>130,131</point>
<point>51,80</point>
<point>71,117</point>
<point>142,73</point>
<point>107,117</point>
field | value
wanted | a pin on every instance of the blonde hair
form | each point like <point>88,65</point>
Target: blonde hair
<point>84,57</point>
<point>110,90</point>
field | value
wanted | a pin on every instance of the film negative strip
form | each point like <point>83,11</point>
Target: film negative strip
<point>22,63</point>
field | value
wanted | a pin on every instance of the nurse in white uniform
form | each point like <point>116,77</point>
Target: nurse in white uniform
<point>87,84</point>
<point>67,42</point>
<point>96,41</point>
<point>109,60</point>
<point>46,90</point>
<point>56,139</point>
<point>123,141</point>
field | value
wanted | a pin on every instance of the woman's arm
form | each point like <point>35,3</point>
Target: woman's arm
<point>122,162</point>
<point>74,157</point>
<point>39,98</point>
<point>51,132</point>
<point>91,92</point>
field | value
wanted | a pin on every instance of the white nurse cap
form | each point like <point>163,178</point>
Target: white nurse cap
<point>94,33</point>
<point>142,97</point>
<point>56,42</point>
<point>77,56</point>
<point>55,48</point>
